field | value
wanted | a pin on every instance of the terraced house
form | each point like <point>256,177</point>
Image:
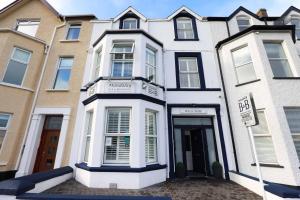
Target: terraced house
<point>130,102</point>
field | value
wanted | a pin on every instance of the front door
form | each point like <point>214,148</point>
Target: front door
<point>198,151</point>
<point>48,146</point>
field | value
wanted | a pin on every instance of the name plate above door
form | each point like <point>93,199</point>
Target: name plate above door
<point>194,111</point>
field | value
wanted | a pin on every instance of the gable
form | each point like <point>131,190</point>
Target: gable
<point>130,11</point>
<point>184,11</point>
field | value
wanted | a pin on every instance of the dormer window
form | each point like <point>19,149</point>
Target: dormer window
<point>295,20</point>
<point>130,23</point>
<point>243,22</point>
<point>185,28</point>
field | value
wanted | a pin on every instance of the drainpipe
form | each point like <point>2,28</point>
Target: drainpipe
<point>48,49</point>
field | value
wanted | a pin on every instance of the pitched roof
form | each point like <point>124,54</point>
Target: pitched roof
<point>130,9</point>
<point>186,9</point>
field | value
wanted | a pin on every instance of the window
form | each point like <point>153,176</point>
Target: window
<point>4,122</point>
<point>17,66</point>
<point>243,65</point>
<point>151,65</point>
<point>293,118</point>
<point>88,133</point>
<point>98,58</point>
<point>122,59</point>
<point>151,137</point>
<point>185,28</point>
<point>63,74</point>
<point>117,136</point>
<point>188,72</point>
<point>278,61</point>
<point>73,32</point>
<point>243,22</point>
<point>295,20</point>
<point>130,23</point>
<point>263,140</point>
<point>28,27</point>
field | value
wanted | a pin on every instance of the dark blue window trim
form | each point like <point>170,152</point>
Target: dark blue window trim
<point>196,38</point>
<point>129,15</point>
<point>120,168</point>
<point>200,69</point>
<point>171,134</point>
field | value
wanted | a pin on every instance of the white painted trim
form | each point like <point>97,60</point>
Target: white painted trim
<point>183,8</point>
<point>128,10</point>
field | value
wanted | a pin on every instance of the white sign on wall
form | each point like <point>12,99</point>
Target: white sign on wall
<point>247,110</point>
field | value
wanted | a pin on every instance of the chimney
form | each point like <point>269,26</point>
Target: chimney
<point>262,13</point>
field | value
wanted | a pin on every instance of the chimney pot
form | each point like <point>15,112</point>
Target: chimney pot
<point>262,13</point>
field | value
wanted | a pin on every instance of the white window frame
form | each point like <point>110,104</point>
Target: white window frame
<point>297,28</point>
<point>147,113</point>
<point>184,20</point>
<point>26,63</point>
<point>148,65</point>
<point>265,135</point>
<point>243,17</point>
<point>242,65</point>
<point>88,133</point>
<point>5,128</point>
<point>123,60</point>
<point>58,68</point>
<point>293,134</point>
<point>30,22</point>
<point>97,63</point>
<point>73,25</point>
<point>276,59</point>
<point>189,72</point>
<point>130,19</point>
<point>106,134</point>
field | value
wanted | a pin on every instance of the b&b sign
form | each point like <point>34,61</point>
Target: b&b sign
<point>247,110</point>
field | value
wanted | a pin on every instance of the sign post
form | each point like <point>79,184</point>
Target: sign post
<point>249,118</point>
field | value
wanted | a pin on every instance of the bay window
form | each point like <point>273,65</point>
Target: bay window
<point>263,140</point>
<point>278,60</point>
<point>243,65</point>
<point>122,59</point>
<point>4,122</point>
<point>88,133</point>
<point>98,58</point>
<point>151,137</point>
<point>117,136</point>
<point>293,118</point>
<point>17,66</point>
<point>151,65</point>
<point>188,72</point>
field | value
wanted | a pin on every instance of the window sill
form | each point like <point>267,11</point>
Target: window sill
<point>16,86</point>
<point>246,83</point>
<point>195,39</point>
<point>69,41</point>
<point>268,165</point>
<point>54,90</point>
<point>286,78</point>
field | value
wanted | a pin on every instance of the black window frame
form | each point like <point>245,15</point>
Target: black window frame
<point>188,15</point>
<point>200,70</point>
<point>129,15</point>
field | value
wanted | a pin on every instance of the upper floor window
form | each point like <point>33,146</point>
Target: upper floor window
<point>278,60</point>
<point>243,65</point>
<point>28,27</point>
<point>130,23</point>
<point>98,58</point>
<point>151,65</point>
<point>295,20</point>
<point>4,122</point>
<point>122,59</point>
<point>117,136</point>
<point>185,28</point>
<point>293,118</point>
<point>243,22</point>
<point>188,72</point>
<point>17,66</point>
<point>63,73</point>
<point>73,32</point>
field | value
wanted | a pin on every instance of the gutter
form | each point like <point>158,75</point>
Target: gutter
<point>47,50</point>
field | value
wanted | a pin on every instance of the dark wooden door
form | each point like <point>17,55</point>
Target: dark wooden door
<point>198,151</point>
<point>47,151</point>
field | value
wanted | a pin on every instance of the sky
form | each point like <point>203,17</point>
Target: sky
<point>105,9</point>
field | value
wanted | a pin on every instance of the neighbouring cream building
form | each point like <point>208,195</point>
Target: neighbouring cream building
<point>124,102</point>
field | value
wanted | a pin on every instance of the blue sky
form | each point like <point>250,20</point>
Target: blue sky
<point>105,9</point>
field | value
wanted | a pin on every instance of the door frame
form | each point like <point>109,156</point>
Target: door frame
<point>34,136</point>
<point>202,129</point>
